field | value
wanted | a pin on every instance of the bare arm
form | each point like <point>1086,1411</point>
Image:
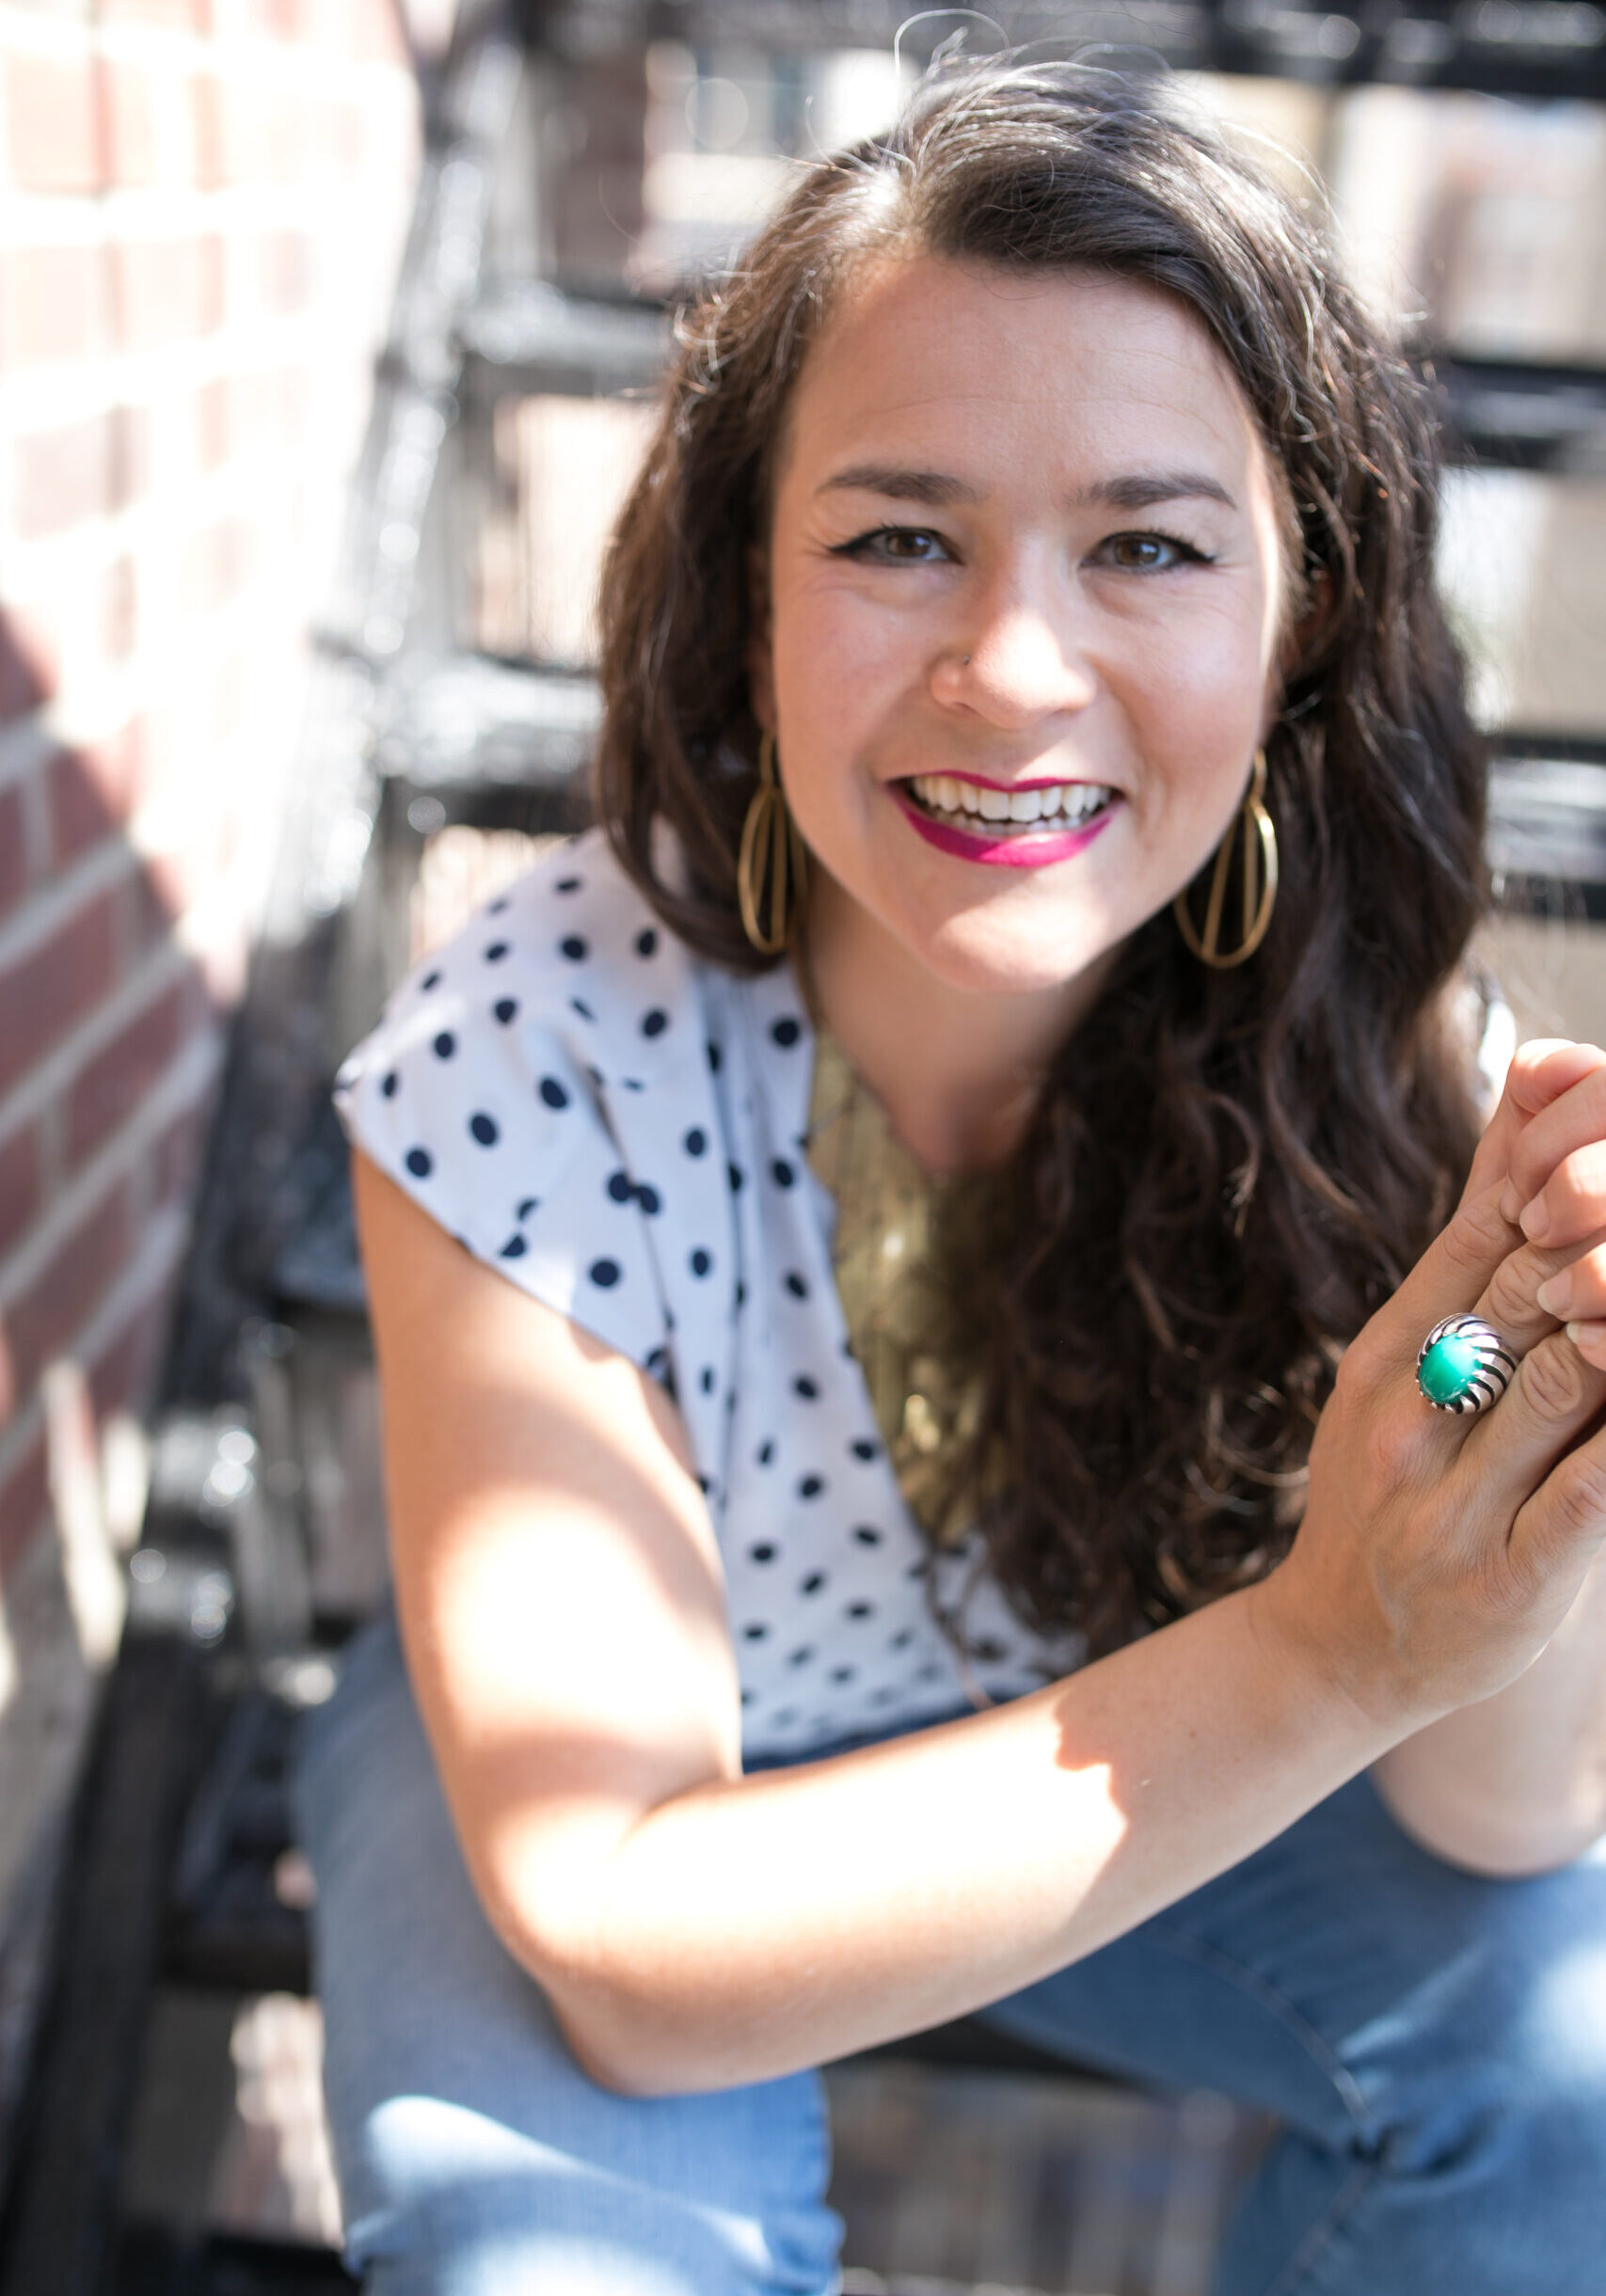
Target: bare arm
<point>562,1605</point>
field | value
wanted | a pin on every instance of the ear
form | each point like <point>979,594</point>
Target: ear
<point>760,664</point>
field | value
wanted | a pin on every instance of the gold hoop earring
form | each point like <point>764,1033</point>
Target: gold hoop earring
<point>1258,866</point>
<point>772,869</point>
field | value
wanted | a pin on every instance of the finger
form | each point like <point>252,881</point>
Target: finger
<point>1563,1523</point>
<point>1571,1203</point>
<point>1533,1291</point>
<point>1551,1400</point>
<point>1455,1272</point>
<point>1576,1291</point>
<point>1590,1341</point>
<point>1539,1072</point>
<point>1571,1117</point>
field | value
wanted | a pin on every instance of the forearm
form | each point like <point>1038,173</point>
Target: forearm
<point>757,1925</point>
<point>1515,1784</point>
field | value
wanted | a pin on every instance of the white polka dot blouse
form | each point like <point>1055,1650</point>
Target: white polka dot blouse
<point>617,1128</point>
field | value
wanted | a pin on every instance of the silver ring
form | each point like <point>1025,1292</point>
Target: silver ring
<point>1464,1365</point>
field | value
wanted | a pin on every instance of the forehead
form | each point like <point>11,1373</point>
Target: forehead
<point>926,350</point>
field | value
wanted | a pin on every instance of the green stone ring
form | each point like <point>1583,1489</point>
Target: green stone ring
<point>1464,1365</point>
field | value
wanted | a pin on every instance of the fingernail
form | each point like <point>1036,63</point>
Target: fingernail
<point>1586,1335</point>
<point>1535,1221</point>
<point>1510,1203</point>
<point>1555,1295</point>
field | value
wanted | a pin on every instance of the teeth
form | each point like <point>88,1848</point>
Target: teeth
<point>1072,801</point>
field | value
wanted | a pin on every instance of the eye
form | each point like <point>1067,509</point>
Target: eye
<point>895,545</point>
<point>1150,553</point>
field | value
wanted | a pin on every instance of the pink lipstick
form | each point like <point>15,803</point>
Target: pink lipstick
<point>1034,850</point>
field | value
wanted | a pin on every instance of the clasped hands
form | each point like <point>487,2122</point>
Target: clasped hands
<point>1438,1554</point>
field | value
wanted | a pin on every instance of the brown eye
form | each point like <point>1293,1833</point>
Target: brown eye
<point>1150,553</point>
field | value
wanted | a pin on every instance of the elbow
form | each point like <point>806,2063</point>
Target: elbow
<point>608,2028</point>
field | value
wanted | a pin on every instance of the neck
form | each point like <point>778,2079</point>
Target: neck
<point>957,1070</point>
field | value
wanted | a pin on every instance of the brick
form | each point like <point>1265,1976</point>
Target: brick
<point>211,435</point>
<point>84,471</point>
<point>44,994</point>
<point>51,124</point>
<point>51,305</point>
<point>68,1288</point>
<point>124,1373</point>
<point>168,289</point>
<point>111,1086</point>
<point>25,1491</point>
<point>26,678</point>
<point>90,794</point>
<point>21,1185</point>
<point>13,850</point>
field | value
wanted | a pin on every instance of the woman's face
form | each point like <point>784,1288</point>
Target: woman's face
<point>1018,627</point>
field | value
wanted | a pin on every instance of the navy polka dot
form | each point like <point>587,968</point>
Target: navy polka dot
<point>528,1204</point>
<point>813,1583</point>
<point>497,951</point>
<point>805,1389</point>
<point>568,884</point>
<point>755,1634</point>
<point>866,1535</point>
<point>708,1379</point>
<point>389,1084</point>
<point>655,1023</point>
<point>701,1261</point>
<point>645,943</point>
<point>810,1486</point>
<point>843,1673</point>
<point>695,1142</point>
<point>432,980</point>
<point>800,1656</point>
<point>766,1454</point>
<point>574,948</point>
<point>763,1552</point>
<point>735,1175</point>
<point>861,1610</point>
<point>554,1094</point>
<point>901,1640</point>
<point>785,1032</point>
<point>649,1199</point>
<point>781,1173</point>
<point>514,1248</point>
<point>506,1010</point>
<point>420,1162</point>
<point>862,1448</point>
<point>619,1187</point>
<point>483,1129</point>
<point>445,1045</point>
<point>578,1004</point>
<point>496,908</point>
<point>715,1057</point>
<point>604,1274</point>
<point>796,1285</point>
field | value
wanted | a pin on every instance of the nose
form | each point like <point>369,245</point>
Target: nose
<point>1015,661</point>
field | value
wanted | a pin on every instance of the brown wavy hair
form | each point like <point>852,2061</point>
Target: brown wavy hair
<point>1227,1171</point>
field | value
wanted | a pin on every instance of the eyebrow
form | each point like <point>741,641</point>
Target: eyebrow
<point>937,490</point>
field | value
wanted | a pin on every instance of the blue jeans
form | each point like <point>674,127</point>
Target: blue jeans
<point>1432,2044</point>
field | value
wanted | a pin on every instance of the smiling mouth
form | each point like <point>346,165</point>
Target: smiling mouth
<point>1051,807</point>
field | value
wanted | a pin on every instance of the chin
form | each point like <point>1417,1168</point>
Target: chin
<point>992,957</point>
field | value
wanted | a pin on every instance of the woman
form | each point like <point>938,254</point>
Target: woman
<point>844,1497</point>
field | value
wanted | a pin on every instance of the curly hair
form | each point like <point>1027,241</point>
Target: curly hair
<point>1227,1171</point>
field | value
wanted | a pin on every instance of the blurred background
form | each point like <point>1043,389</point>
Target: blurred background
<point>328,339</point>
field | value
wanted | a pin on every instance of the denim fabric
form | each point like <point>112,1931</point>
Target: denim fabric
<point>1434,2045</point>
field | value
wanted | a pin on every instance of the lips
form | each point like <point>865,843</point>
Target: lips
<point>983,821</point>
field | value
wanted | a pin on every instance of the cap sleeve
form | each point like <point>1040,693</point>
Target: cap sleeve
<point>475,1104</point>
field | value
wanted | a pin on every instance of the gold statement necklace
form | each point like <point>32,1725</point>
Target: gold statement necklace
<point>891,1214</point>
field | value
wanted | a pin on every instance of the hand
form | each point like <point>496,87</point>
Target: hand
<point>1438,1554</point>
<point>1557,1187</point>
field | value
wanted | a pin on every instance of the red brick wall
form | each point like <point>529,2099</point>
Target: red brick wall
<point>201,204</point>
